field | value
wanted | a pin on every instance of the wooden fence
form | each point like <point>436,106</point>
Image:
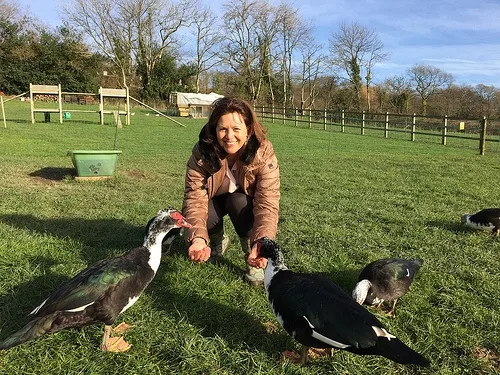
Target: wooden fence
<point>411,125</point>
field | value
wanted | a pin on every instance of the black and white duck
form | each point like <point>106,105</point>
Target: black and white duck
<point>101,292</point>
<point>486,219</point>
<point>319,314</point>
<point>385,280</point>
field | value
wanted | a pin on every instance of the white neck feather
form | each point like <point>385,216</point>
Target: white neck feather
<point>155,255</point>
<point>361,291</point>
<point>270,271</point>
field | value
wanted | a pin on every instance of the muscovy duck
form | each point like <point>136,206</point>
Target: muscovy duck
<point>487,219</point>
<point>385,280</point>
<point>319,314</point>
<point>102,291</point>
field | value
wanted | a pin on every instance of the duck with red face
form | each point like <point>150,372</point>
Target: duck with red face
<point>101,292</point>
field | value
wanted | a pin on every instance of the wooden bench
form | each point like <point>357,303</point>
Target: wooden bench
<point>47,90</point>
<point>114,93</point>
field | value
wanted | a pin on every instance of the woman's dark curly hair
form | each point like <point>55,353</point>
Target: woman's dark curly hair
<point>211,151</point>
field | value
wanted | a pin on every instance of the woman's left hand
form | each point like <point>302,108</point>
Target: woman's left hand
<point>255,260</point>
<point>199,252</point>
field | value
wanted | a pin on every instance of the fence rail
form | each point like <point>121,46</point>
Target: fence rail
<point>481,130</point>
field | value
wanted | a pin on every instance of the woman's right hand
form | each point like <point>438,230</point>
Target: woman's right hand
<point>199,252</point>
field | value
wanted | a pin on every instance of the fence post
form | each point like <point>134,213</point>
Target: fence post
<point>3,113</point>
<point>363,124</point>
<point>296,114</point>
<point>272,112</point>
<point>324,120</point>
<point>262,113</point>
<point>445,124</point>
<point>310,115</point>
<point>482,136</point>
<point>413,123</point>
<point>342,121</point>
<point>284,114</point>
<point>386,128</point>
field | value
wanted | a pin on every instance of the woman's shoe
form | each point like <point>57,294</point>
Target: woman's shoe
<point>219,243</point>
<point>254,276</point>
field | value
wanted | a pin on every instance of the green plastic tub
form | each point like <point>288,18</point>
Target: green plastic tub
<point>93,163</point>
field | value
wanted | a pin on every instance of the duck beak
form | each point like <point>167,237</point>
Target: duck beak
<point>183,223</point>
<point>181,220</point>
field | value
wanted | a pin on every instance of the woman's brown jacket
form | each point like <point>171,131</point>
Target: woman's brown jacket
<point>260,179</point>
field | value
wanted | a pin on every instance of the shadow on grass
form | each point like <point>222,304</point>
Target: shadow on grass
<point>18,121</point>
<point>345,278</point>
<point>98,236</point>
<point>180,247</point>
<point>238,328</point>
<point>451,226</point>
<point>54,173</point>
<point>20,300</point>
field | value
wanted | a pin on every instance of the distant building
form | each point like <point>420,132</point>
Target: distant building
<point>193,105</point>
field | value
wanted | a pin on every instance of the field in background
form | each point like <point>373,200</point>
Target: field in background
<point>346,200</point>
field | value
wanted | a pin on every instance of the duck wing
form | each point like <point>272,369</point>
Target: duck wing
<point>321,313</point>
<point>391,277</point>
<point>88,286</point>
<point>487,216</point>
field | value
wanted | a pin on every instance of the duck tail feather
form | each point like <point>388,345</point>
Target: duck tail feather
<point>395,350</point>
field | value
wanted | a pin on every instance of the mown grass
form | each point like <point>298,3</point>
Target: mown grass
<point>346,200</point>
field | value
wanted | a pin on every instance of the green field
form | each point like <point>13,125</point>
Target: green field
<point>346,200</point>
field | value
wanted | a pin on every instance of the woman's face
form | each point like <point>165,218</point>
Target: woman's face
<point>231,132</point>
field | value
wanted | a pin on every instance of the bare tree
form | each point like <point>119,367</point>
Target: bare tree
<point>374,55</point>
<point>427,81</point>
<point>353,49</point>
<point>489,96</point>
<point>312,69</point>
<point>129,32</point>
<point>267,30</point>
<point>12,13</point>
<point>240,51</point>
<point>107,27</point>
<point>400,91</point>
<point>155,23</point>
<point>460,101</point>
<point>9,10</point>
<point>251,30</point>
<point>293,33</point>
<point>208,39</point>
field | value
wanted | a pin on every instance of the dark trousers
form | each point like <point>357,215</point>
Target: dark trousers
<point>238,206</point>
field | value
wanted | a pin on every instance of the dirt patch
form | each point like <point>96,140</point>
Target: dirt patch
<point>489,356</point>
<point>270,327</point>
<point>135,173</point>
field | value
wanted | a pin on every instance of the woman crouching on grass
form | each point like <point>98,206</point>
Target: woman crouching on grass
<point>232,171</point>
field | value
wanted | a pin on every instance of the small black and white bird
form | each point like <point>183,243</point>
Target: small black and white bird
<point>385,280</point>
<point>487,219</point>
<point>101,292</point>
<point>319,314</point>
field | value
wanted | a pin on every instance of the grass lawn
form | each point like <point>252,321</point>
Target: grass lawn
<point>346,200</point>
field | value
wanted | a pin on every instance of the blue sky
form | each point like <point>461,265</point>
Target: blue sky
<point>461,37</point>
